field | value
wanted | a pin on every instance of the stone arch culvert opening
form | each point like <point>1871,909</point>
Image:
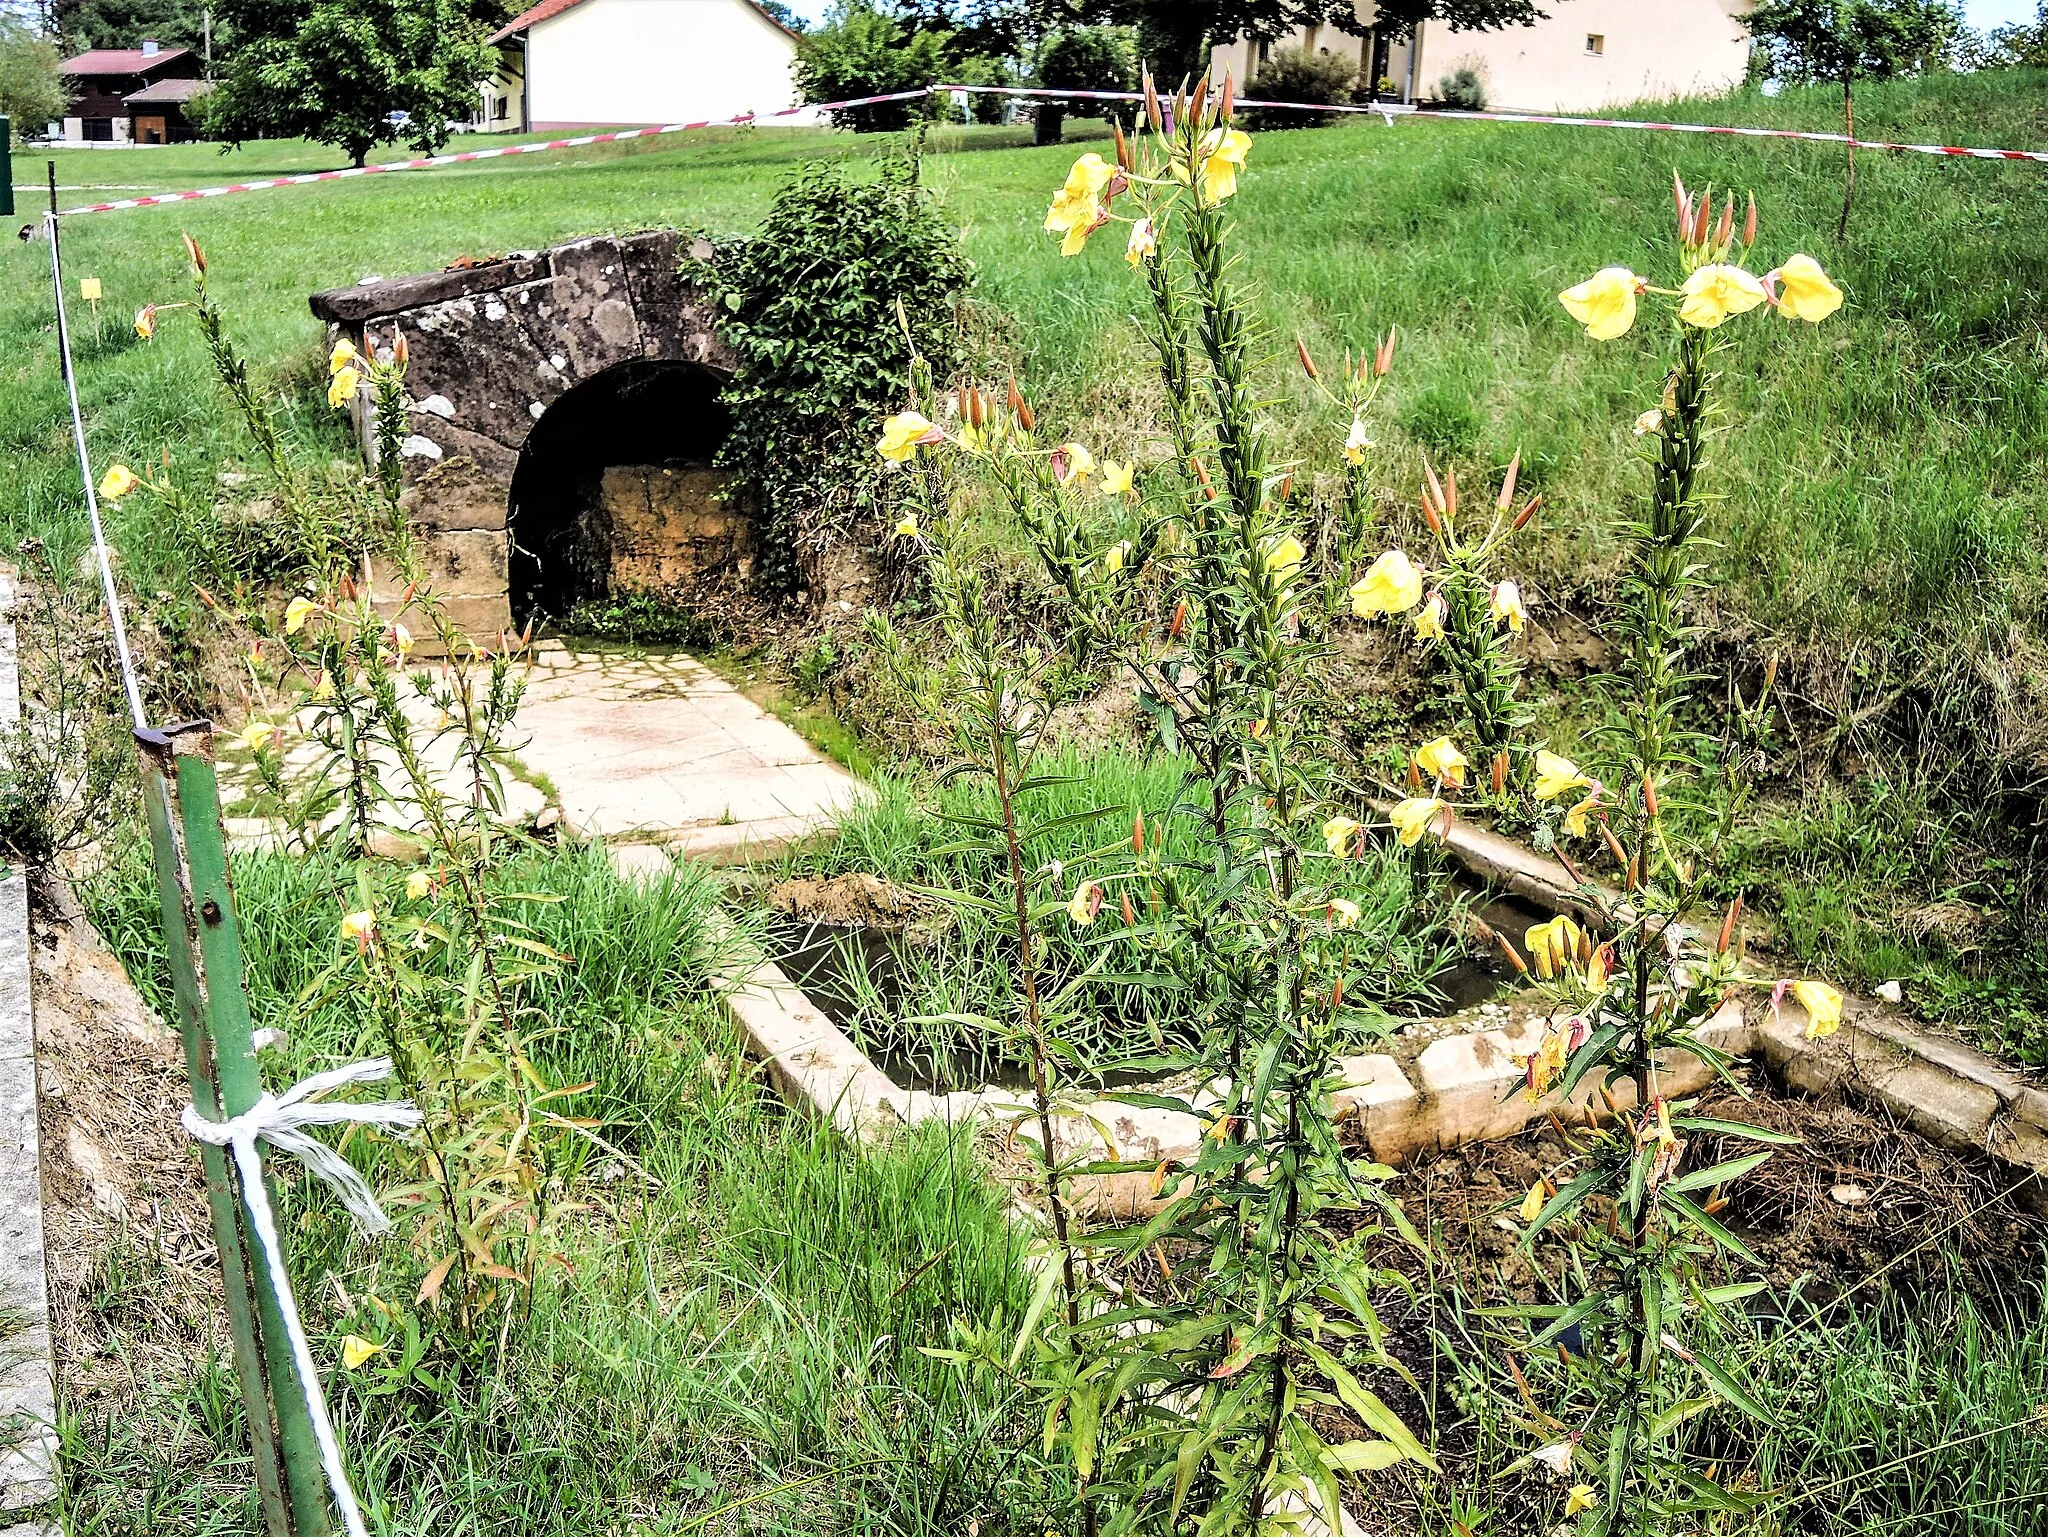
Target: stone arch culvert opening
<point>617,492</point>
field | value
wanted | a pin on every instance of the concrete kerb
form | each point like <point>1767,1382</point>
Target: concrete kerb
<point>1950,1093</point>
<point>28,1400</point>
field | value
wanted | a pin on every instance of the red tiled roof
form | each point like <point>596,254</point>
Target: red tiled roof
<point>547,10</point>
<point>120,61</point>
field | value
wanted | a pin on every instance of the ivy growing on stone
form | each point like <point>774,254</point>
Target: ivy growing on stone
<point>825,306</point>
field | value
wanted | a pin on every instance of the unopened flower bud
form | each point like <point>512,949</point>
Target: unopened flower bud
<point>1229,102</point>
<point>1650,791</point>
<point>1701,221</point>
<point>1123,145</point>
<point>1728,927</point>
<point>1749,223</point>
<point>1138,832</point>
<point>1500,772</point>
<point>1199,100</point>
<point>1308,364</point>
<point>1507,486</point>
<point>1152,103</point>
<point>1726,228</point>
<point>1383,360</point>
<point>1528,511</point>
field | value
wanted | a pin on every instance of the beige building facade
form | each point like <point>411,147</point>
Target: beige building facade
<point>1587,55</point>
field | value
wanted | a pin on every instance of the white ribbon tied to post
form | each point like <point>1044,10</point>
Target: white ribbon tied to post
<point>279,1120</point>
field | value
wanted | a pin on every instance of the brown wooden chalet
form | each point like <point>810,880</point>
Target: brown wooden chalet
<point>132,95</point>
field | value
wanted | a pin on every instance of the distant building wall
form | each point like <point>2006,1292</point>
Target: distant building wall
<point>657,61</point>
<point>1588,54</point>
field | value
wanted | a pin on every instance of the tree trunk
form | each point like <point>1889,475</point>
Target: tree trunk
<point>1049,119</point>
<point>1849,186</point>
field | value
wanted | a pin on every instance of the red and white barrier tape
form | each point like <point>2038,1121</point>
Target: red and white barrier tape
<point>1388,110</point>
<point>434,162</point>
<point>1392,110</point>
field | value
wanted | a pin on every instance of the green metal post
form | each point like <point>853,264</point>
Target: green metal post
<point>199,912</point>
<point>181,932</point>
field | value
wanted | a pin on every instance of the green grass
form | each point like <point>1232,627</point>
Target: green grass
<point>912,834</point>
<point>744,1326</point>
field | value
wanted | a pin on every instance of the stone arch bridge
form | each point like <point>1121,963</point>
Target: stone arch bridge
<point>564,418</point>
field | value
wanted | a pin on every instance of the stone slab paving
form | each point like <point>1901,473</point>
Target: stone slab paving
<point>652,752</point>
<point>658,749</point>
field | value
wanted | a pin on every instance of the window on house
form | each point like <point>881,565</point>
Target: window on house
<point>1596,43</point>
<point>500,109</point>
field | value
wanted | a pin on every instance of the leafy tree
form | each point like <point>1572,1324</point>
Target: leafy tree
<point>2023,45</point>
<point>1082,59</point>
<point>1843,41</point>
<point>862,51</point>
<point>31,90</point>
<point>1175,36</point>
<point>352,73</point>
<point>780,12</point>
<point>84,24</point>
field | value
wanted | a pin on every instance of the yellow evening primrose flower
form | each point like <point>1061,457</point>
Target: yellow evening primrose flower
<point>1557,775</point>
<point>1553,946</point>
<point>1114,557</point>
<point>1575,819</point>
<point>1284,556</point>
<point>1072,461</point>
<point>1144,243</point>
<point>256,734</point>
<point>901,434</point>
<point>907,529</point>
<point>297,612</point>
<point>1649,422</point>
<point>1715,292</point>
<point>1533,1202</point>
<point>1805,292</point>
<point>1341,835</point>
<point>1392,585</point>
<point>1117,477</point>
<point>419,884</point>
<point>1823,1007</point>
<point>1414,816</point>
<point>1221,156</point>
<point>118,482</point>
<point>1605,304</point>
<point>1442,762</point>
<point>355,1350</point>
<point>401,641</point>
<point>343,356</point>
<point>1344,913</point>
<point>1582,1497</point>
<point>1087,902</point>
<point>1075,210</point>
<point>1506,604</point>
<point>323,686</point>
<point>1429,619</point>
<point>359,926</point>
<point>145,322</point>
<point>342,388</point>
<point>1356,442</point>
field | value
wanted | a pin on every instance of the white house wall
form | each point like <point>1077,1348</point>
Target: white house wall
<point>628,62</point>
<point>1652,49</point>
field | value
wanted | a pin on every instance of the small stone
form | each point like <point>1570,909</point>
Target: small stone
<point>1891,992</point>
<point>1850,1195</point>
<point>417,447</point>
<point>549,816</point>
<point>437,405</point>
<point>535,409</point>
